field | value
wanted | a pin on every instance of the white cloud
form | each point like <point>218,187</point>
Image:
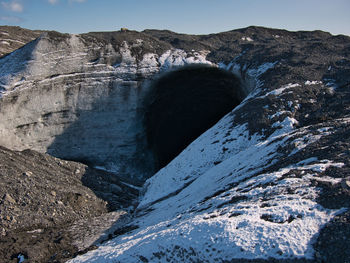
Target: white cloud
<point>13,6</point>
<point>53,2</point>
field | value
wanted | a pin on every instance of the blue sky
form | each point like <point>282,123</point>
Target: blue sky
<point>184,16</point>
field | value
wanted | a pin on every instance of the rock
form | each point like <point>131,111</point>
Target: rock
<point>51,198</point>
<point>12,38</point>
<point>115,189</point>
<point>28,174</point>
<point>8,198</point>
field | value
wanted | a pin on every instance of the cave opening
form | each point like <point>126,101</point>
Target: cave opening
<point>184,103</point>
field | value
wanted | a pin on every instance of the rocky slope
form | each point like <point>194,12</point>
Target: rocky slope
<point>51,203</point>
<point>268,183</point>
<point>12,38</point>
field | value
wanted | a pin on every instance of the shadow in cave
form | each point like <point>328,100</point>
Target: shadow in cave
<point>106,129</point>
<point>185,103</point>
<point>107,132</point>
<point>140,127</point>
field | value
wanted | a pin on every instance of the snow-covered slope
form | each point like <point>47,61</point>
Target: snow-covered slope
<point>235,195</point>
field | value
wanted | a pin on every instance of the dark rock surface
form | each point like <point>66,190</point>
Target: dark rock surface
<point>45,200</point>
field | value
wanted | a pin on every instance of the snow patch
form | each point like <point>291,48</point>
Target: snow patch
<point>279,91</point>
<point>178,57</point>
<point>247,39</point>
<point>314,82</point>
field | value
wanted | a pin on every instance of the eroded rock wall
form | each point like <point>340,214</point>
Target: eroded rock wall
<point>81,97</point>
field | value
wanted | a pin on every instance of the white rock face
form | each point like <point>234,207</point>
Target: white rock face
<point>82,101</point>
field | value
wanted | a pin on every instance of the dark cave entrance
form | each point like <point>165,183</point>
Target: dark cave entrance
<point>184,103</point>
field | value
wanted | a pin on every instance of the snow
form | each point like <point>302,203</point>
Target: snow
<point>178,57</point>
<point>314,82</point>
<point>212,204</point>
<point>256,72</point>
<point>279,91</point>
<point>247,39</point>
<point>287,123</point>
<point>279,113</point>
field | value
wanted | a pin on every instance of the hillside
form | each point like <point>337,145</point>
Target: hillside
<point>240,140</point>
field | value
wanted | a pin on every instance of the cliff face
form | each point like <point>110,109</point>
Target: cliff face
<point>262,183</point>
<point>81,98</point>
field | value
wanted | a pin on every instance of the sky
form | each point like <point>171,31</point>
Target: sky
<point>183,16</point>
